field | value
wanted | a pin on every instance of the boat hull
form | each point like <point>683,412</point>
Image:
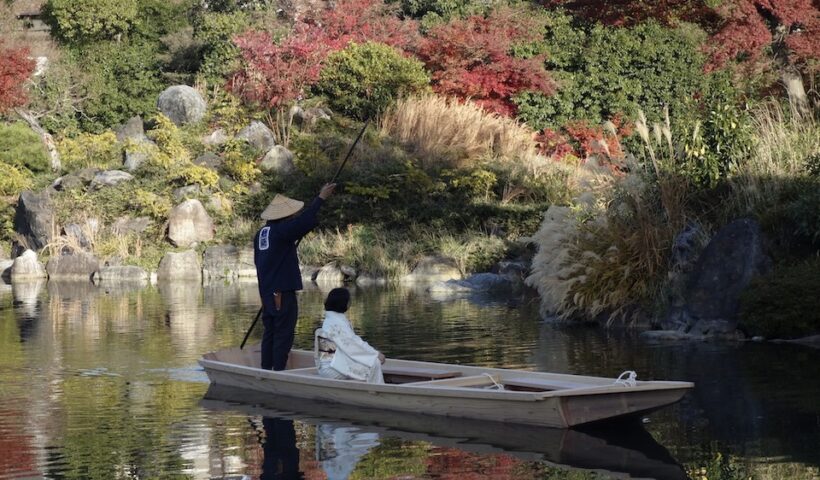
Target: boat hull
<point>593,401</point>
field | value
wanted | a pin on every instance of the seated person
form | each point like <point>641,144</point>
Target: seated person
<point>352,358</point>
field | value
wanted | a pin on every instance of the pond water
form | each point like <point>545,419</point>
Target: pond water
<point>103,383</point>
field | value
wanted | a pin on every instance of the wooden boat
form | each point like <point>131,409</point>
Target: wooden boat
<point>619,449</point>
<point>490,394</point>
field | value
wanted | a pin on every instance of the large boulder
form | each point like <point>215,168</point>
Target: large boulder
<point>189,223</point>
<point>77,266</point>
<point>34,218</point>
<point>433,269</point>
<point>180,266</point>
<point>278,160</point>
<point>182,104</point>
<point>118,274</point>
<point>258,135</point>
<point>227,262</point>
<point>712,292</point>
<point>126,225</point>
<point>26,267</point>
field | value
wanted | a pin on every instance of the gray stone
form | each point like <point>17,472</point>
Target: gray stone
<point>26,267</point>
<point>186,192</point>
<point>709,304</point>
<point>182,104</point>
<point>126,225</point>
<point>132,130</point>
<point>189,223</point>
<point>121,274</point>
<point>278,160</point>
<point>87,174</point>
<point>311,116</point>
<point>34,217</point>
<point>80,233</point>
<point>329,275</point>
<point>77,266</point>
<point>258,135</point>
<point>109,178</point>
<point>210,160</point>
<point>433,269</point>
<point>180,266</point>
<point>68,182</point>
<point>216,138</point>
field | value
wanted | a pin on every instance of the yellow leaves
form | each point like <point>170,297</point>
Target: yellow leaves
<point>90,150</point>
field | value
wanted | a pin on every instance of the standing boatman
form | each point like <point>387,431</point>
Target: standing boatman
<point>277,269</point>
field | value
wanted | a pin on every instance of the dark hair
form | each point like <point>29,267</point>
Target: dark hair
<point>337,300</point>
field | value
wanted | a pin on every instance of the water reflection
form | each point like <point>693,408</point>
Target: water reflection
<point>102,382</point>
<point>345,435</point>
<point>281,455</point>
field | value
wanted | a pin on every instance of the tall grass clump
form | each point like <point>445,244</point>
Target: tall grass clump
<point>786,142</point>
<point>607,254</point>
<point>444,130</point>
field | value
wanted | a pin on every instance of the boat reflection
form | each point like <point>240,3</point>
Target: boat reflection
<point>345,434</point>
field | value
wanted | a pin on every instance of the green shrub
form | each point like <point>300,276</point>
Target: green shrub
<point>13,179</point>
<point>603,71</point>
<point>219,54</point>
<point>123,81</point>
<point>90,150</point>
<point>60,94</point>
<point>78,21</point>
<point>20,146</point>
<point>364,79</point>
<point>783,304</point>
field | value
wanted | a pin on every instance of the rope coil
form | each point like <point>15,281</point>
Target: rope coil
<point>631,379</point>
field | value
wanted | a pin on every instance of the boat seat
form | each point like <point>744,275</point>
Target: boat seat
<point>396,374</point>
<point>540,385</point>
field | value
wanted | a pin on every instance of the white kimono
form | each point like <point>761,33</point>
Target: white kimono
<point>354,358</point>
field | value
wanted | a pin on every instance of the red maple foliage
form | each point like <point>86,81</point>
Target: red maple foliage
<point>630,12</point>
<point>752,25</point>
<point>583,140</point>
<point>471,58</point>
<point>360,21</point>
<point>276,74</point>
<point>15,69</point>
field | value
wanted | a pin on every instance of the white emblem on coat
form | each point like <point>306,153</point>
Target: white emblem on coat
<point>264,238</point>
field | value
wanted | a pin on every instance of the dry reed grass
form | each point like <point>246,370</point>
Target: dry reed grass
<point>784,142</point>
<point>442,130</point>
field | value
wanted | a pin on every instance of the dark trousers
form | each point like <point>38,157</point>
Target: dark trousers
<point>280,327</point>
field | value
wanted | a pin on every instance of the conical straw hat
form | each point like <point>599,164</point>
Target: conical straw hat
<point>281,207</point>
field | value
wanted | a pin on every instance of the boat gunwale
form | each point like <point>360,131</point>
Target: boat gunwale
<point>426,389</point>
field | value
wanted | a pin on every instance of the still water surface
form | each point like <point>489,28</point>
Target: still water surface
<point>103,383</point>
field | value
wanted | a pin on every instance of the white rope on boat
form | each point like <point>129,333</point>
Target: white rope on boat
<point>631,379</point>
<point>495,385</point>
